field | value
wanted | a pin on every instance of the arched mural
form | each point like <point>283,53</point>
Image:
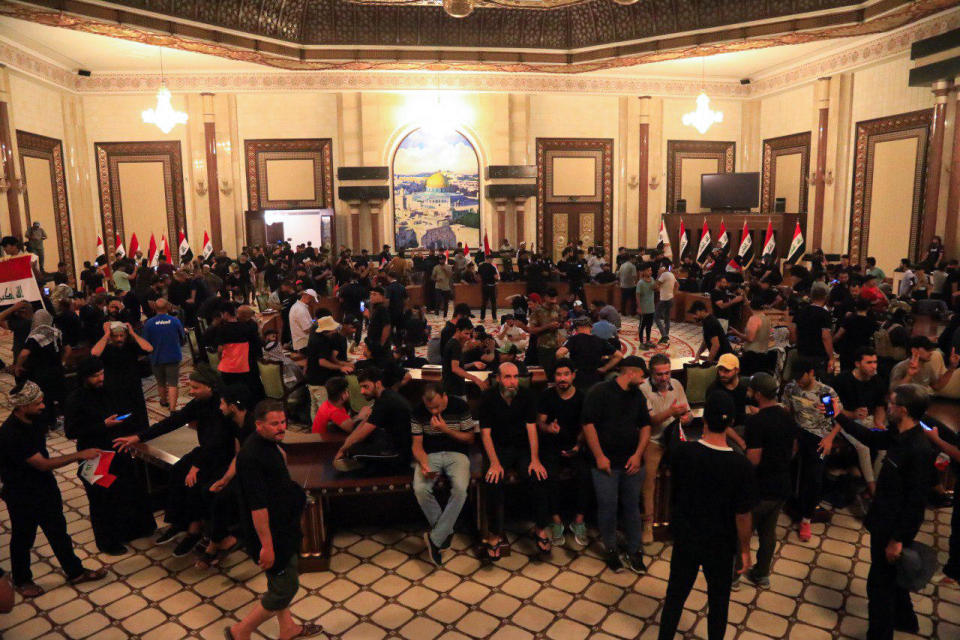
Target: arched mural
<point>436,191</point>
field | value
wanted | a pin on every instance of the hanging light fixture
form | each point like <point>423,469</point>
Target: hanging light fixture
<point>704,117</point>
<point>458,8</point>
<point>163,115</point>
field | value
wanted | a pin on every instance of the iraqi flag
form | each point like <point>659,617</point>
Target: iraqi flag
<point>745,252</point>
<point>663,242</point>
<point>684,243</point>
<point>153,255</point>
<point>797,245</point>
<point>486,246</point>
<point>165,251</point>
<point>186,254</point>
<point>769,244</point>
<point>101,254</point>
<point>17,282</point>
<point>723,240</point>
<point>134,245</point>
<point>703,251</point>
<point>207,250</point>
<point>120,252</point>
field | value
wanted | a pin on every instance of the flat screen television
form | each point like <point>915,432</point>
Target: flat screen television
<point>739,191</point>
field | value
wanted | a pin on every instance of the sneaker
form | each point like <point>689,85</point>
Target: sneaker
<point>634,562</point>
<point>758,580</point>
<point>433,551</point>
<point>664,340</point>
<point>579,531</point>
<point>804,532</point>
<point>614,562</point>
<point>556,533</point>
<point>735,583</point>
<point>168,534</point>
<point>185,547</point>
<point>118,550</point>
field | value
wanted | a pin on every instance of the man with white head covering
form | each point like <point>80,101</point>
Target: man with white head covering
<point>31,493</point>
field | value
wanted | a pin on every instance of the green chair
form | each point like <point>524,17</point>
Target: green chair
<point>213,357</point>
<point>357,401</point>
<point>263,301</point>
<point>271,375</point>
<point>196,352</point>
<point>699,379</point>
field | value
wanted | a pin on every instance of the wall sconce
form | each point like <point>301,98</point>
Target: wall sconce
<point>827,178</point>
<point>4,184</point>
<point>19,185</point>
<point>225,187</point>
<point>201,187</point>
<point>654,182</point>
<point>633,182</point>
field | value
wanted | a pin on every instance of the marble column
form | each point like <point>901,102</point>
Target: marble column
<point>213,178</point>
<point>375,206</point>
<point>953,195</point>
<point>355,225</point>
<point>822,97</point>
<point>8,158</point>
<point>931,196</point>
<point>643,172</point>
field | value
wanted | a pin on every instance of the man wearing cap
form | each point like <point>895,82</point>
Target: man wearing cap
<point>198,469</point>
<point>326,356</point>
<point>165,334</point>
<point>119,512</point>
<point>712,495</point>
<point>301,319</point>
<point>729,381</point>
<point>715,340</point>
<point>925,366</point>
<point>616,427</point>
<point>897,510</point>
<point>771,439</point>
<point>544,325</point>
<point>31,493</point>
<point>591,356</point>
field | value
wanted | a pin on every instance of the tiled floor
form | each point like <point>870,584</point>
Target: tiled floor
<point>380,586</point>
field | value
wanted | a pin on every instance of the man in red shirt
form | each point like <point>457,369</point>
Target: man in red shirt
<point>334,409</point>
<point>872,293</point>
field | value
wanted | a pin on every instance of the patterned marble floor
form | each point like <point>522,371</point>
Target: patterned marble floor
<point>380,586</point>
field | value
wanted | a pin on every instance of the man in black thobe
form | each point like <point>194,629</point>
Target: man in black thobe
<point>120,512</point>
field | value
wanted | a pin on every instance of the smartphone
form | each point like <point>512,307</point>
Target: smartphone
<point>923,424</point>
<point>827,401</point>
<point>124,416</point>
<point>363,307</point>
<point>46,291</point>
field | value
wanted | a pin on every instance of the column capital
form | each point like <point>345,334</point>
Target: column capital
<point>354,206</point>
<point>821,92</point>
<point>940,89</point>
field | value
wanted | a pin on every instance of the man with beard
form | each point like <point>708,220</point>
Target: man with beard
<point>31,493</point>
<point>730,382</point>
<point>383,442</point>
<point>616,427</point>
<point>120,348</point>
<point>120,512</point>
<point>198,469</point>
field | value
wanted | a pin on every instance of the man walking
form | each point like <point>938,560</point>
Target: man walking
<point>165,333</point>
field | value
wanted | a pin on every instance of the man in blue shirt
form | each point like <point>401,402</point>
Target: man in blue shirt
<point>165,333</point>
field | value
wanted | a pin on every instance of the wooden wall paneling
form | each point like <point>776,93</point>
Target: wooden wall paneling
<point>50,150</point>
<point>258,152</point>
<point>677,150</point>
<point>773,148</point>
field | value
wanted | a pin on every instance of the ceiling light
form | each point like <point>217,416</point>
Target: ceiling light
<point>458,8</point>
<point>163,115</point>
<point>704,117</point>
<point>626,2</point>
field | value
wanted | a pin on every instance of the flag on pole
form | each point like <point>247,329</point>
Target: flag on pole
<point>663,242</point>
<point>486,246</point>
<point>466,249</point>
<point>703,251</point>
<point>207,250</point>
<point>769,244</point>
<point>797,245</point>
<point>153,256</point>
<point>683,240</point>
<point>745,252</point>
<point>101,254</point>
<point>733,266</point>
<point>134,245</point>
<point>186,254</point>
<point>446,254</point>
<point>165,250</point>
<point>17,282</point>
<point>120,252</point>
<point>723,240</point>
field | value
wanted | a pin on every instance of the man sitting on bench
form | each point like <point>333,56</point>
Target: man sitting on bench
<point>381,445</point>
<point>333,414</point>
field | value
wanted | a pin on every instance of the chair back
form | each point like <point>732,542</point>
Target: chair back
<point>263,301</point>
<point>357,401</point>
<point>213,357</point>
<point>203,325</point>
<point>272,379</point>
<point>195,352</point>
<point>699,378</point>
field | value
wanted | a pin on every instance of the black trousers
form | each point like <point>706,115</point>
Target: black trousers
<point>628,300</point>
<point>250,380</point>
<point>42,508</point>
<point>121,512</point>
<point>952,568</point>
<point>185,505</point>
<point>516,460</point>
<point>888,605</point>
<point>488,295</point>
<point>579,466</point>
<point>685,562</point>
<point>221,510</point>
<point>443,301</point>
<point>812,468</point>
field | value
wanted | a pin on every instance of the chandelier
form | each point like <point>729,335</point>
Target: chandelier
<point>163,115</point>
<point>458,8</point>
<point>704,117</point>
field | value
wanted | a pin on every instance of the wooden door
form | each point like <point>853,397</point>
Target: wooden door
<point>275,233</point>
<point>570,224</point>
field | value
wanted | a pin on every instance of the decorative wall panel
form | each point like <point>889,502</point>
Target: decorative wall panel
<point>260,153</point>
<point>774,148</point>
<point>679,150</point>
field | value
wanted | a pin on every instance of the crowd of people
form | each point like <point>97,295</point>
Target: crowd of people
<point>850,391</point>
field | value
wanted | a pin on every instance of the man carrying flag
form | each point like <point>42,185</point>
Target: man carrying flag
<point>153,256</point>
<point>120,252</point>
<point>769,244</point>
<point>207,250</point>
<point>703,251</point>
<point>663,242</point>
<point>797,245</point>
<point>745,252</point>
<point>683,241</point>
<point>186,254</point>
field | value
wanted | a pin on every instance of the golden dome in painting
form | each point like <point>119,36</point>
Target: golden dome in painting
<point>437,181</point>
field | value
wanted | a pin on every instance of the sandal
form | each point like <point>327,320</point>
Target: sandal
<point>307,630</point>
<point>207,560</point>
<point>90,575</point>
<point>30,590</point>
<point>543,544</point>
<point>492,550</point>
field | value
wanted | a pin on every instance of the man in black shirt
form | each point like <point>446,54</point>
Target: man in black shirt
<point>591,356</point>
<point>326,357</point>
<point>488,287</point>
<point>710,519</point>
<point>454,374</point>
<point>274,503</point>
<point>731,383</point>
<point>558,421</point>
<point>715,340</point>
<point>616,427</point>
<point>379,329</point>
<point>443,431</point>
<point>726,303</point>
<point>508,428</point>
<point>814,330</point>
<point>31,493</point>
<point>382,443</point>
<point>897,510</point>
<point>771,436</point>
<point>863,395</point>
<point>460,311</point>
